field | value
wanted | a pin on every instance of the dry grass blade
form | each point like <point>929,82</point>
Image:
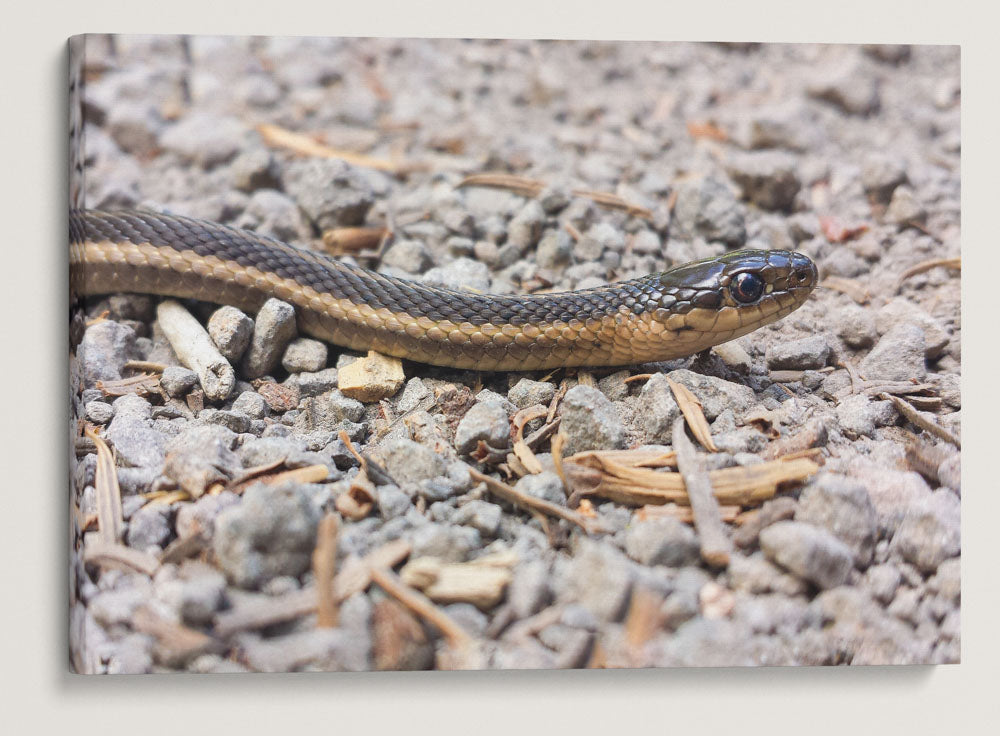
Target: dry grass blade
<point>141,385</point>
<point>305,145</point>
<point>716,548</point>
<point>324,565</point>
<point>641,457</point>
<point>346,240</point>
<point>614,202</point>
<point>532,504</point>
<point>691,409</point>
<point>850,287</point>
<point>728,514</point>
<point>419,604</point>
<point>495,180</point>
<point>112,554</point>
<point>110,519</point>
<point>923,267</point>
<point>922,421</point>
<point>308,474</point>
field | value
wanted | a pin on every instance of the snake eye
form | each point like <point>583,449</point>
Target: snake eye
<point>746,287</point>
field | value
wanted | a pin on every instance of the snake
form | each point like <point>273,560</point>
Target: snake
<point>661,316</point>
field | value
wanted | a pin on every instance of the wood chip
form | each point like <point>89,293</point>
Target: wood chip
<point>348,240</point>
<point>481,582</point>
<point>691,409</point>
<point>716,547</point>
<point>359,499</point>
<point>110,518</point>
<point>324,565</point>
<point>372,378</point>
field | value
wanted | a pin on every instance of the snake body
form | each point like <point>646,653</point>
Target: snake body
<point>657,317</point>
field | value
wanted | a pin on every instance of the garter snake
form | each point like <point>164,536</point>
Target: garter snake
<point>656,317</point>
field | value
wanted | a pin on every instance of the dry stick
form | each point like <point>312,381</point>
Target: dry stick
<point>955,263</point>
<point>110,518</point>
<point>196,350</point>
<point>105,554</point>
<point>422,606</point>
<point>324,564</point>
<point>921,421</point>
<point>354,577</point>
<point>716,547</point>
<point>691,409</point>
<point>530,503</point>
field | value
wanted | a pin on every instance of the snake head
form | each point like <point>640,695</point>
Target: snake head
<point>733,294</point>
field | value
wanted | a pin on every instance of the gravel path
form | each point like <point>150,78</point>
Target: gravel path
<point>848,154</point>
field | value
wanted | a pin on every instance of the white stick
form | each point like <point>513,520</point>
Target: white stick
<point>196,350</point>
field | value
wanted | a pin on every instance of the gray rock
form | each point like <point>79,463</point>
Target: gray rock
<point>230,330</point>
<point>715,394</point>
<point>462,273</point>
<point>525,227</point>
<point>812,553</point>
<point>768,178</point>
<point>136,443</point>
<point>590,421</point>
<point>204,138</point>
<point>545,485</point>
<point>408,255</point>
<point>255,169</point>
<point>449,543</point>
<point>905,209</point>
<point>235,421</point>
<point>250,403</point>
<point>328,411</point>
<point>600,578</point>
<point>304,355</point>
<point>855,326</point>
<point>271,533</point>
<point>413,394</point>
<point>554,249</point>
<point>930,532</point>
<point>330,192</point>
<point>135,127</point>
<point>848,87</point>
<point>527,393</point>
<point>662,542</point>
<point>105,348</point>
<point>860,415</point>
<point>480,515</point>
<point>314,384</point>
<point>529,590</point>
<point>901,310</point>
<point>898,355</point>
<point>177,381</point>
<point>202,593</point>
<point>708,208</point>
<point>486,421</point>
<point>842,506</point>
<point>199,517</point>
<point>272,213</point>
<point>755,574</point>
<point>274,328</point>
<point>882,581</point>
<point>148,527</point>
<point>880,175</point>
<point>392,502</point>
<point>807,353</point>
<point>404,459</point>
<point>98,412</point>
<point>658,410</point>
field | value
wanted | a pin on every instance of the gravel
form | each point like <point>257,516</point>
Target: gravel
<point>741,146</point>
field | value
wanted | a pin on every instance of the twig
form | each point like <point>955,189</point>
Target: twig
<point>455,635</point>
<point>691,409</point>
<point>532,504</point>
<point>196,350</point>
<point>106,554</point>
<point>921,421</point>
<point>324,565</point>
<point>954,263</point>
<point>716,547</point>
<point>304,145</point>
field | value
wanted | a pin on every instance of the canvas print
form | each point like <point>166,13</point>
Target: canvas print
<point>411,354</point>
